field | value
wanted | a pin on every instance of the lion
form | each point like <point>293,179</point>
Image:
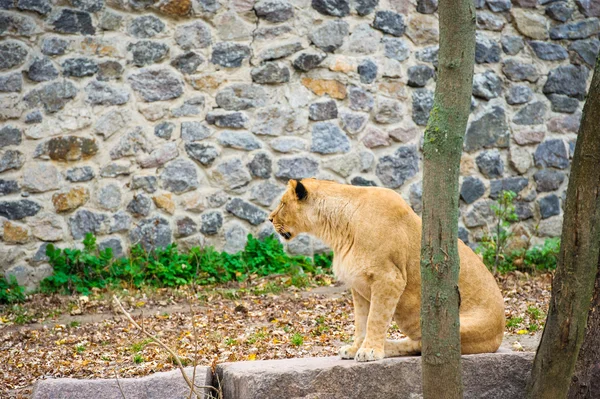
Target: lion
<point>376,240</point>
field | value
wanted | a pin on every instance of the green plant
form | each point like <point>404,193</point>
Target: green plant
<point>138,359</point>
<point>74,324</point>
<point>297,339</point>
<point>80,348</point>
<point>514,322</point>
<point>535,313</point>
<point>10,291</point>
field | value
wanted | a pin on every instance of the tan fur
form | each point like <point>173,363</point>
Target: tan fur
<point>376,239</point>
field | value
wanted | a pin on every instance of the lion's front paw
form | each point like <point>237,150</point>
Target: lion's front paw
<point>369,355</point>
<point>348,351</point>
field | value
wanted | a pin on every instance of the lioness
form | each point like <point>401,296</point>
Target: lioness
<point>376,240</point>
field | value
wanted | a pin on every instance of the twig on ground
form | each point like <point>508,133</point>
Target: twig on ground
<point>119,384</point>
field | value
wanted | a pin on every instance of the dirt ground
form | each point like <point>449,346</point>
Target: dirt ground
<point>86,337</point>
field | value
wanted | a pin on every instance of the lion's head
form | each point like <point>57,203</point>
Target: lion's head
<point>290,216</point>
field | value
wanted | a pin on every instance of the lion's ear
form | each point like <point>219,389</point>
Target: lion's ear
<point>301,192</point>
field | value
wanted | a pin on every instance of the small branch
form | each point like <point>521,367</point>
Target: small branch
<point>119,385</point>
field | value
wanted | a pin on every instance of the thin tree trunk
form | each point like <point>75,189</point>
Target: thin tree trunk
<point>573,283</point>
<point>586,380</point>
<point>442,149</point>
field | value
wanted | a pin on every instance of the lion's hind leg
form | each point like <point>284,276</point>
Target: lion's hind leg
<point>402,347</point>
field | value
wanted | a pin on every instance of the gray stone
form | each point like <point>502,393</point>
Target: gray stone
<point>323,110</point>
<point>489,130</point>
<point>471,189</point>
<point>229,54</point>
<point>389,22</point>
<point>549,206</point>
<point>487,49</point>
<point>34,116</point>
<point>108,196</point>
<point>112,122</point>
<point>115,169</point>
<point>365,7</point>
<point>241,96</point>
<point>353,123</point>
<point>79,67</point>
<point>264,193</point>
<point>364,40</point>
<point>40,255</point>
<point>164,130</point>
<point>518,71</point>
<point>396,49</point>
<point>101,93</point>
<point>132,143</point>
<point>489,21</point>
<point>287,378</point>
<point>190,107</point>
<point>480,214</point>
<point>239,140</point>
<point>288,144</point>
<point>80,174</point>
<point>145,182</point>
<point>121,221</point>
<point>463,234</point>
<point>519,94</point>
<point>548,179</point>
<point>276,120</point>
<point>588,8</point>
<point>85,221</point>
<point>512,45</point>
<point>389,111</point>
<point>10,135</point>
<point>109,70</point>
<point>20,209</point>
<point>531,114</point>
<point>41,70</point>
<point>367,71</point>
<point>335,8</point>
<point>156,84</point>
<point>427,6</point>
<point>576,30</point>
<point>205,154</point>
<point>234,120</point>
<point>232,175</point>
<point>274,10</point>
<point>486,85</point>
<point>419,75</point>
<point>211,222</point>
<point>236,237</point>
<point>298,167</point>
<point>428,54</point>
<point>16,24</point>
<point>548,51</point>
<point>360,99</point>
<point>194,131</point>
<point>11,159</point>
<point>72,21</point>
<point>307,61</point>
<point>40,177</point>
<point>88,5</point>
<point>8,187</point>
<point>54,46</point>
<point>151,233</point>
<point>110,21</point>
<point>520,159</point>
<point>586,51</point>
<point>145,26</point>
<point>393,170</point>
<point>52,96</point>
<point>187,63</point>
<point>330,35</point>
<point>361,181</point>
<point>327,138</point>
<point>300,245</point>
<point>552,153</point>
<point>185,226</point>
<point>246,211</point>
<point>42,7</point>
<point>193,35</point>
<point>570,80</point>
<point>562,103</point>
<point>147,52</point>
<point>490,163</point>
<point>270,73</point>
<point>559,11</point>
<point>422,102</point>
<point>261,165</point>
<point>499,5</point>
<point>523,210</point>
<point>271,32</point>
<point>564,124</point>
<point>280,51</point>
<point>179,176</point>
<point>415,197</point>
<point>140,205</point>
<point>514,184</point>
<point>116,247</point>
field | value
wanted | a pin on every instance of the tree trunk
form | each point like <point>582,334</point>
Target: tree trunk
<point>586,381</point>
<point>573,283</point>
<point>442,149</point>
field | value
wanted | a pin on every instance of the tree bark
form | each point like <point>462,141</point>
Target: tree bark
<point>573,283</point>
<point>586,380</point>
<point>442,148</point>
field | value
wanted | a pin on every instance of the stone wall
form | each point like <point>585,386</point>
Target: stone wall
<point>152,121</point>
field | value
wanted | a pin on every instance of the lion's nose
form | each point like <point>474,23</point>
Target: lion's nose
<point>270,219</point>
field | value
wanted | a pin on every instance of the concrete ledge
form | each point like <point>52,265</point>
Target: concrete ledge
<point>493,375</point>
<point>168,385</point>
